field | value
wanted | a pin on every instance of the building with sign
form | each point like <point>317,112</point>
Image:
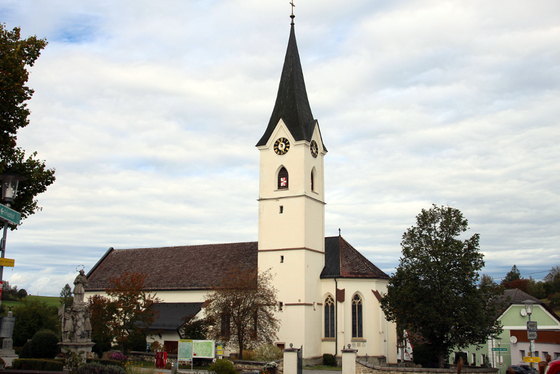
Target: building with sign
<point>329,293</point>
<point>512,344</point>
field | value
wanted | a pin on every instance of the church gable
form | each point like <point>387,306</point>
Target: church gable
<point>195,267</point>
<point>344,261</point>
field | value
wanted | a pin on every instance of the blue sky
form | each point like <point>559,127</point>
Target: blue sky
<point>150,114</point>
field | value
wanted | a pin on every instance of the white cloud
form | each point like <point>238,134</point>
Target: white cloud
<point>150,113</point>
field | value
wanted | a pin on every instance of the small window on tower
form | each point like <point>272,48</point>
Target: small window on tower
<point>281,209</point>
<point>312,181</point>
<point>281,259</point>
<point>283,179</point>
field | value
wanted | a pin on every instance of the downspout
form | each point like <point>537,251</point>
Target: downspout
<point>335,317</point>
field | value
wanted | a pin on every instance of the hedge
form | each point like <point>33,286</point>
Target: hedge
<point>37,364</point>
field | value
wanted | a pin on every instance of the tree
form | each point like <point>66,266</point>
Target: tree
<point>434,292</point>
<point>130,307</point>
<point>513,275</point>
<point>101,313</point>
<point>33,316</point>
<point>16,55</point>
<point>66,298</point>
<point>241,308</point>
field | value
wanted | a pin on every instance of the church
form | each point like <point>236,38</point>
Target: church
<point>329,294</point>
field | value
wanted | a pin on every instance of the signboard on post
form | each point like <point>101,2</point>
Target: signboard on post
<point>532,325</point>
<point>499,349</point>
<point>7,262</point>
<point>531,359</point>
<point>9,215</point>
<point>532,335</point>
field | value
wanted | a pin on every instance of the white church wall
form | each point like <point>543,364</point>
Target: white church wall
<point>379,336</point>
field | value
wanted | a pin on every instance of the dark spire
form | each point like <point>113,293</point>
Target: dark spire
<point>292,105</point>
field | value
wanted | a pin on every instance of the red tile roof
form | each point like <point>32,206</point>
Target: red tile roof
<point>197,267</point>
<point>172,268</point>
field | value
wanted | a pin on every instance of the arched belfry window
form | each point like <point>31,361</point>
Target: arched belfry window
<point>283,179</point>
<point>329,317</point>
<point>357,317</point>
<point>312,180</point>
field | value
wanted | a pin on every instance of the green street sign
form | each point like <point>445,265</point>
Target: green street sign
<point>9,215</point>
<point>499,349</point>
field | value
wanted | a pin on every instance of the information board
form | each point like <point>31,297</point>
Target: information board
<point>189,349</point>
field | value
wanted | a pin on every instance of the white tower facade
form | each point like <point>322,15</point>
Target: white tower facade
<point>292,209</point>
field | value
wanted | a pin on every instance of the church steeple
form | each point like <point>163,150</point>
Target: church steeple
<point>292,104</point>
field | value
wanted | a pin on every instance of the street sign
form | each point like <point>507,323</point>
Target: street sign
<point>532,325</point>
<point>7,262</point>
<point>9,215</point>
<point>501,349</point>
<point>531,359</point>
<point>532,335</point>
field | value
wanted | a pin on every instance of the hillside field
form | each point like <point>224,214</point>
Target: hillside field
<point>49,300</point>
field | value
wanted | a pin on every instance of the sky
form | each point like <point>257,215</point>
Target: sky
<point>150,112</point>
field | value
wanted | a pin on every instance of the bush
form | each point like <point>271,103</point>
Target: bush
<point>268,352</point>
<point>34,364</point>
<point>329,360</point>
<point>121,364</point>
<point>554,300</point>
<point>44,344</point>
<point>223,366</point>
<point>155,346</point>
<point>95,368</point>
<point>118,356</point>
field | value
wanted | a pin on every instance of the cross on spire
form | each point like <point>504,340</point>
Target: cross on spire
<point>292,16</point>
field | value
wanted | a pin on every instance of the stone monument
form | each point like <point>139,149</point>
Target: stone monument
<point>75,321</point>
<point>6,331</point>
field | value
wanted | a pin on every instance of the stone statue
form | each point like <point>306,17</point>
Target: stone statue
<point>79,283</point>
<point>75,319</point>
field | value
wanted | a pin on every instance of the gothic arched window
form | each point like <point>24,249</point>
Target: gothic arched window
<point>283,179</point>
<point>357,317</point>
<point>329,317</point>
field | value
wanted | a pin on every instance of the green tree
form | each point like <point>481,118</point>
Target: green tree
<point>513,275</point>
<point>242,307</point>
<point>434,293</point>
<point>66,298</point>
<point>16,55</point>
<point>33,316</point>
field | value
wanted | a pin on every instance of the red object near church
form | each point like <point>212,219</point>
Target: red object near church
<point>161,359</point>
<point>553,367</point>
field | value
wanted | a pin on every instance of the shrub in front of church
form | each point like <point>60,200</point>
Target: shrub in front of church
<point>95,368</point>
<point>268,352</point>
<point>223,366</point>
<point>329,360</point>
<point>37,364</point>
<point>44,344</point>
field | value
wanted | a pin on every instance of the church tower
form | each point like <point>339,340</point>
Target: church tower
<point>291,240</point>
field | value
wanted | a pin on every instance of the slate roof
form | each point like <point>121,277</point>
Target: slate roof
<point>292,104</point>
<point>171,316</point>
<point>197,267</point>
<point>344,261</point>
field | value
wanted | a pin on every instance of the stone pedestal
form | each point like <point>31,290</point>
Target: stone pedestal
<point>291,360</point>
<point>8,355</point>
<point>81,349</point>
<point>349,360</point>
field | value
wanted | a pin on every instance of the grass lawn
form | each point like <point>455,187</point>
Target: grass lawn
<point>49,300</point>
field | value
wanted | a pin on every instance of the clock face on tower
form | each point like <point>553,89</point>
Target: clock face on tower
<point>314,149</point>
<point>281,146</point>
